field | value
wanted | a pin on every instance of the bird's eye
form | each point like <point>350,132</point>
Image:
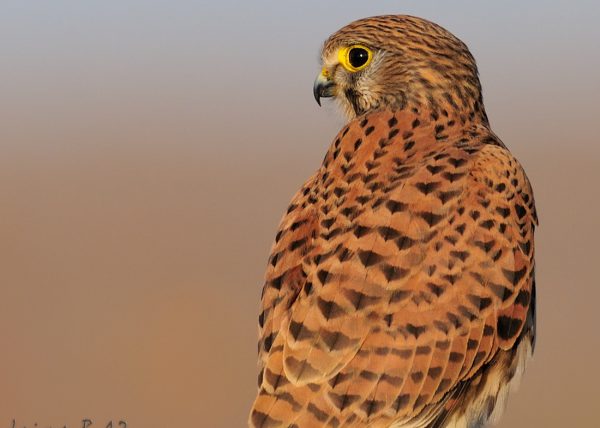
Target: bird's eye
<point>355,58</point>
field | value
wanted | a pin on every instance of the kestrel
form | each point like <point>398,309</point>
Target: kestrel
<point>400,288</point>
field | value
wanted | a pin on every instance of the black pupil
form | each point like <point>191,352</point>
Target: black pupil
<point>358,57</point>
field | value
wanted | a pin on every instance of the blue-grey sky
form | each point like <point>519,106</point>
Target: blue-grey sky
<point>191,64</point>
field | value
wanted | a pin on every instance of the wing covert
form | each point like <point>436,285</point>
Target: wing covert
<point>396,274</point>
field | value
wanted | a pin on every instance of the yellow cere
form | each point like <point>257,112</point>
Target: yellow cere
<point>345,59</point>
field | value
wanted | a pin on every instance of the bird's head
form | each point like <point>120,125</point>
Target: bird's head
<point>396,61</point>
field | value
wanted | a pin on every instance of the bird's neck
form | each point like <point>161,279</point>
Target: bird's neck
<point>432,113</point>
<point>445,104</point>
<point>428,106</point>
<point>393,139</point>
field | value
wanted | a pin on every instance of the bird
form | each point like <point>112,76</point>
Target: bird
<point>400,287</point>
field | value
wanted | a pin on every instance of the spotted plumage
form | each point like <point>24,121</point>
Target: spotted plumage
<point>400,288</point>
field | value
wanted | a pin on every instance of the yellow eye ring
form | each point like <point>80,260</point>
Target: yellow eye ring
<point>355,58</point>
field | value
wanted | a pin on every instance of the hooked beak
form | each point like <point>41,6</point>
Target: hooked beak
<point>324,86</point>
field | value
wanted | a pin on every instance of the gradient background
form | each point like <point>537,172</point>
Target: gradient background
<point>149,148</point>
